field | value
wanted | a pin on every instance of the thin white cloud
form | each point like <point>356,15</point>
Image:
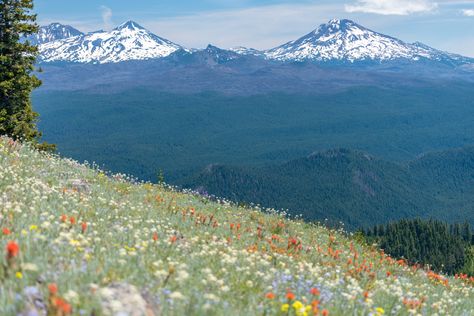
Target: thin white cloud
<point>391,7</point>
<point>106,17</point>
<point>468,12</point>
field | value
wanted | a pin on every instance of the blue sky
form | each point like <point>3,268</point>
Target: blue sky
<point>443,24</point>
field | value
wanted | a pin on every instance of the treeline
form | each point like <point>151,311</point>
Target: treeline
<point>444,247</point>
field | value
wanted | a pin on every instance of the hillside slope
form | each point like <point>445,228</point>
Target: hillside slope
<point>352,187</point>
<point>339,185</point>
<point>78,241</point>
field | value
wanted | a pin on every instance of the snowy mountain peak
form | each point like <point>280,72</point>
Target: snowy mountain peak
<point>129,25</point>
<point>347,41</point>
<point>340,41</point>
<point>53,32</point>
<point>128,41</point>
<point>336,24</point>
<point>217,54</point>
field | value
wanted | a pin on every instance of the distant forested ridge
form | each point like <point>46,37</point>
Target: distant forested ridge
<point>249,147</point>
<point>352,187</point>
<point>140,130</point>
<point>444,247</point>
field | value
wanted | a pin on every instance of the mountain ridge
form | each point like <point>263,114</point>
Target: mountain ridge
<point>128,41</point>
<point>335,41</point>
<point>53,32</point>
<point>346,40</point>
<point>350,186</point>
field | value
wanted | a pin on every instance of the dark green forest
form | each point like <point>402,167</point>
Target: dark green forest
<point>141,131</point>
<point>352,187</point>
<point>249,148</point>
<point>445,248</point>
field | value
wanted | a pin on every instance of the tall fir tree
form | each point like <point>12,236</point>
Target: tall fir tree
<point>17,81</point>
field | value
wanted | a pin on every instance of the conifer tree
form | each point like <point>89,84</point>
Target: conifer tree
<point>17,81</point>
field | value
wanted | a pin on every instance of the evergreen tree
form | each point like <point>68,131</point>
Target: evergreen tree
<point>443,247</point>
<point>17,58</point>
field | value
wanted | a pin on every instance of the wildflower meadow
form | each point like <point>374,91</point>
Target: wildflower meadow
<point>78,241</point>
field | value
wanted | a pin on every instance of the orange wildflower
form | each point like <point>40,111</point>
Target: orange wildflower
<point>63,306</point>
<point>314,291</point>
<point>12,250</point>
<point>325,312</point>
<point>366,295</point>
<point>53,289</point>
<point>270,296</point>
<point>83,227</point>
<point>155,236</point>
<point>290,296</point>
<point>6,231</point>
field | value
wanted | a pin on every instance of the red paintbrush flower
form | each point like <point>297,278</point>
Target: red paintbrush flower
<point>12,250</point>
<point>314,291</point>
<point>290,296</point>
<point>63,306</point>
<point>53,289</point>
<point>84,227</point>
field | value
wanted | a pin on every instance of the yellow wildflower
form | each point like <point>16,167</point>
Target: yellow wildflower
<point>284,307</point>
<point>297,305</point>
<point>74,242</point>
<point>19,275</point>
<point>380,311</point>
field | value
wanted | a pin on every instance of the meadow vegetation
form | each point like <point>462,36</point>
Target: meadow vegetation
<point>75,239</point>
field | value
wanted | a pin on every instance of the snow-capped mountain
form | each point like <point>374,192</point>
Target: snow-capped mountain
<point>347,41</point>
<point>246,51</point>
<point>53,32</point>
<point>129,41</point>
<point>341,41</point>
<point>219,54</point>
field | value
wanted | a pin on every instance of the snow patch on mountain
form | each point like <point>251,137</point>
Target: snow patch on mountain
<point>246,51</point>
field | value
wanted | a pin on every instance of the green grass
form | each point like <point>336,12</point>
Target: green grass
<point>209,258</point>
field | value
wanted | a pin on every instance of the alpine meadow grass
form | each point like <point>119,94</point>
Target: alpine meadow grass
<point>77,241</point>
